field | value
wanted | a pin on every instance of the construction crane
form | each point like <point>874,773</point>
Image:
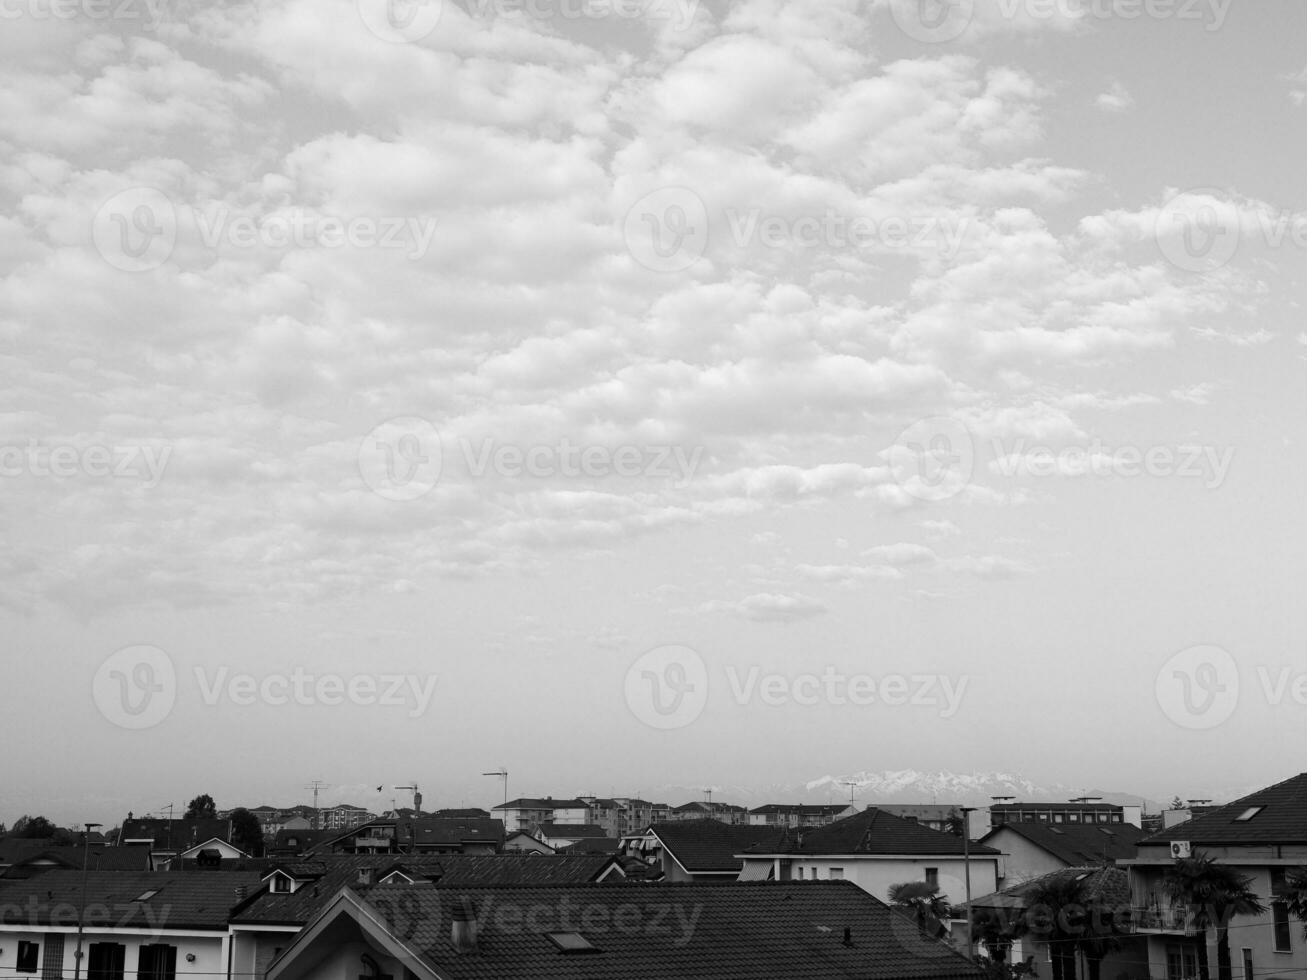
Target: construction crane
<point>502,773</point>
<point>417,797</point>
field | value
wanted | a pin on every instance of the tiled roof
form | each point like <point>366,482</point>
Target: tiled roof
<point>1107,887</point>
<point>474,811</point>
<point>99,858</point>
<point>710,845</point>
<point>574,830</point>
<point>1283,819</point>
<point>815,809</point>
<point>872,831</point>
<point>304,839</point>
<point>1077,843</point>
<point>594,845</point>
<point>179,901</point>
<point>442,830</point>
<point>657,931</point>
<point>335,872</point>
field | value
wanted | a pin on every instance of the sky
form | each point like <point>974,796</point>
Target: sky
<point>643,393</point>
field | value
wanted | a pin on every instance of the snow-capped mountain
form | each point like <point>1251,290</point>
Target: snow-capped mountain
<point>898,786</point>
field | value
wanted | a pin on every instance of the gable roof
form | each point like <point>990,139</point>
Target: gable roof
<point>740,931</point>
<point>327,876</point>
<point>176,901</point>
<point>872,831</point>
<point>98,858</point>
<point>802,809</point>
<point>710,846</point>
<point>1076,844</point>
<point>1282,819</point>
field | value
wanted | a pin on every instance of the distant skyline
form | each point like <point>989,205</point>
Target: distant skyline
<point>648,394</point>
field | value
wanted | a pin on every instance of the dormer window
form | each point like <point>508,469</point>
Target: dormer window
<point>281,884</point>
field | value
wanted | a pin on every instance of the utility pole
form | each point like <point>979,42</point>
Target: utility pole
<point>966,870</point>
<point>81,913</point>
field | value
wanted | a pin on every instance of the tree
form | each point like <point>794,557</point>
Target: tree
<point>1177,803</point>
<point>247,832</point>
<point>1213,894</point>
<point>201,807</point>
<point>1052,905</point>
<point>1294,895</point>
<point>996,929</point>
<point>34,827</point>
<point>923,902</point>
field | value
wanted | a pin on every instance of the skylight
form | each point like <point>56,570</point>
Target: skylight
<point>1251,812</point>
<point>571,942</point>
<point>146,896</point>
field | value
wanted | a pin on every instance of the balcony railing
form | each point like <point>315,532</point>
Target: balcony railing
<point>1164,918</point>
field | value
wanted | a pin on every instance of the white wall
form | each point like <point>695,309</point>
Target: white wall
<point>876,875</point>
<point>209,949</point>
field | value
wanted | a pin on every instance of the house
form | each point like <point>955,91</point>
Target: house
<point>1034,849</point>
<point>829,930</point>
<point>526,842</point>
<point>421,835</point>
<point>699,850</point>
<point>798,814</point>
<point>560,835</point>
<point>166,839</point>
<point>700,810</point>
<point>136,924</point>
<point>290,842</point>
<point>527,813</point>
<point>71,856</point>
<point>1104,898</point>
<point>293,893</point>
<point>876,850</point>
<point>1262,836</point>
<point>462,813</point>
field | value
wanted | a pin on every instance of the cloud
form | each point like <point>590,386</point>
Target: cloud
<point>1115,99</point>
<point>769,607</point>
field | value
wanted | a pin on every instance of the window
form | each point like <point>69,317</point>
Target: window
<point>1073,818</point>
<point>280,884</point>
<point>27,954</point>
<point>106,961</point>
<point>157,962</point>
<point>932,876</point>
<point>52,966</point>
<point>1247,964</point>
<point>1251,812</point>
<point>1283,942</point>
<point>1181,962</point>
<point>800,873</point>
<point>836,874</point>
<point>1058,818</point>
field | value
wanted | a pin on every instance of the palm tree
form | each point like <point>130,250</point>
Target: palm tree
<point>1294,895</point>
<point>1052,902</point>
<point>922,901</point>
<point>1213,893</point>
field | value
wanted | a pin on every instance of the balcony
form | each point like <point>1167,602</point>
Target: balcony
<point>1172,920</point>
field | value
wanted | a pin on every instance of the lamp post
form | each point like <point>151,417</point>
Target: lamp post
<point>966,870</point>
<point>81,912</point>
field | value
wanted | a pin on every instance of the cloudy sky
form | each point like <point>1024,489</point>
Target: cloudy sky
<point>645,392</point>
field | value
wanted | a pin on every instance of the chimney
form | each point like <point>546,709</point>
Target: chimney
<point>463,931</point>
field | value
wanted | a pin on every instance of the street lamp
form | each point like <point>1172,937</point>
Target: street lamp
<point>81,912</point>
<point>966,870</point>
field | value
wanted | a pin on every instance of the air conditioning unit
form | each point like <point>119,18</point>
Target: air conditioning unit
<point>1180,849</point>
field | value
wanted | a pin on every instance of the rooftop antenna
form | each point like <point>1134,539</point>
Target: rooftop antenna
<point>850,782</point>
<point>708,790</point>
<point>502,773</point>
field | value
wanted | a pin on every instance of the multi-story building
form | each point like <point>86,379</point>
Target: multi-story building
<point>1263,836</point>
<point>727,813</point>
<point>1082,811</point>
<point>799,814</point>
<point>343,816</point>
<point>527,813</point>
